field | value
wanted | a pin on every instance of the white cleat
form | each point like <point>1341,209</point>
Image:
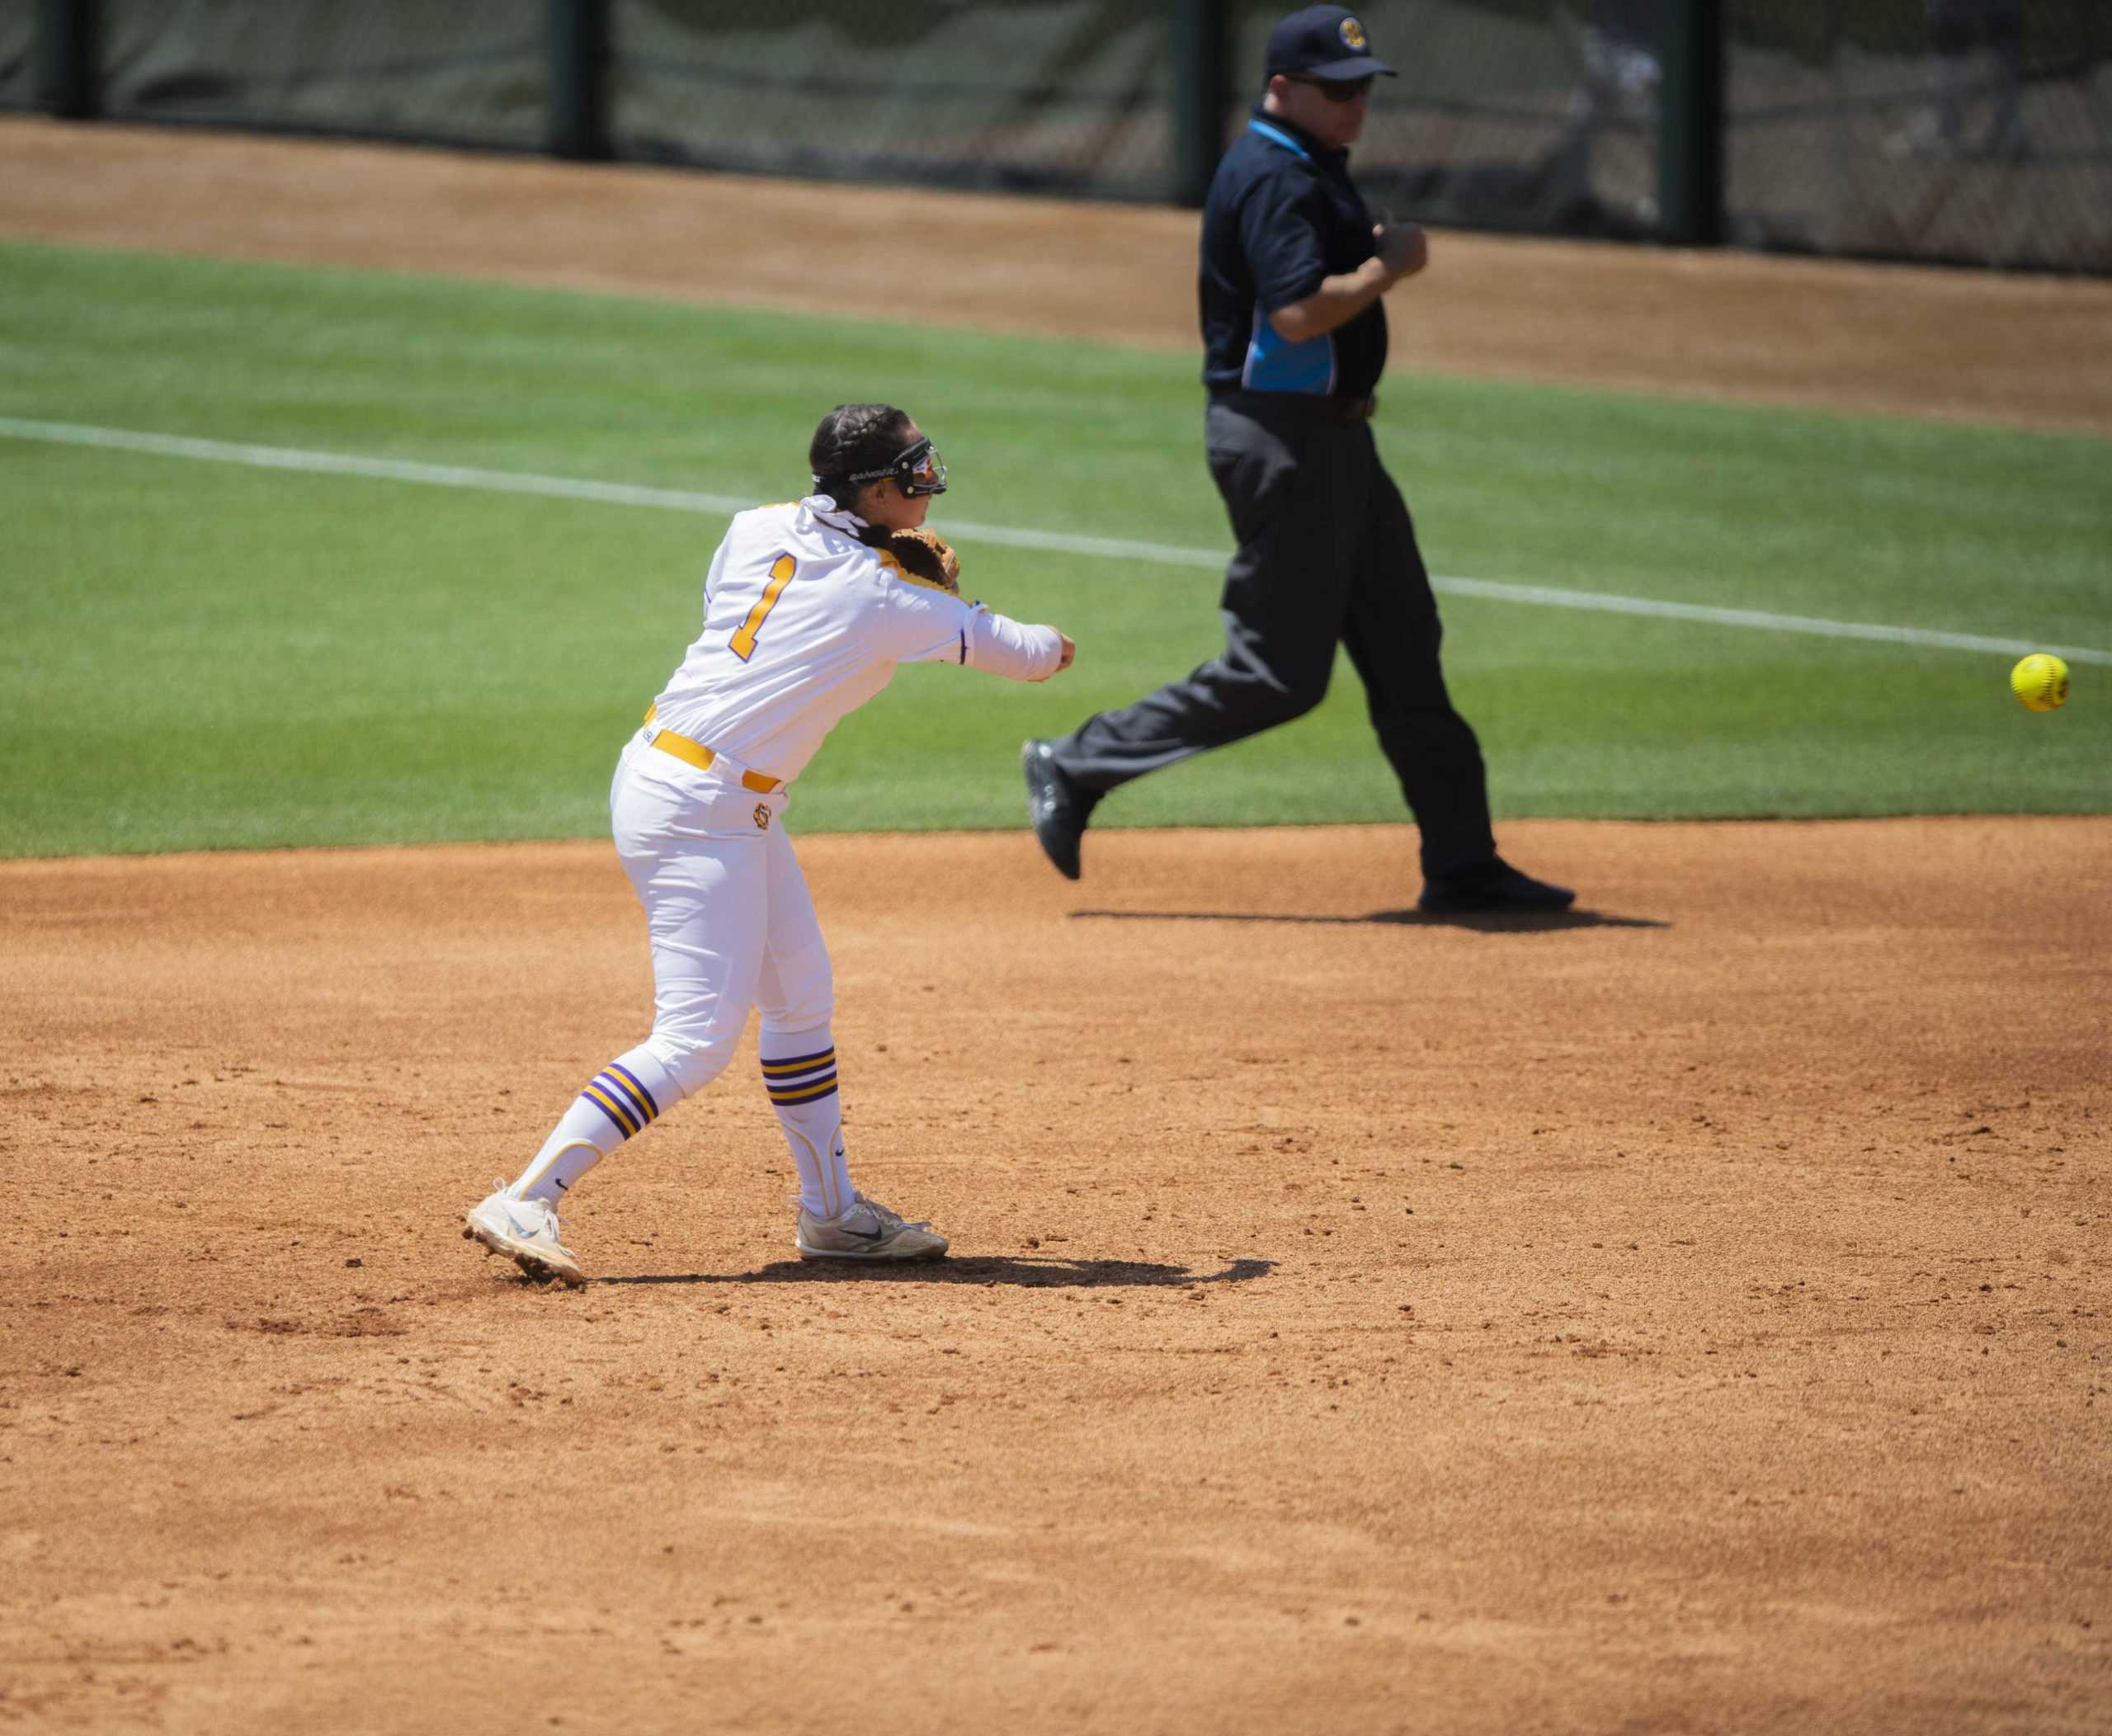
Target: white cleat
<point>527,1231</point>
<point>867,1231</point>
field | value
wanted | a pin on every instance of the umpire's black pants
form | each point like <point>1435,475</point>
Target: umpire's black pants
<point>1327,554</point>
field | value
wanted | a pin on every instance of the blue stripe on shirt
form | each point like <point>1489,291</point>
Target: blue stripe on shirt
<point>1281,138</point>
<point>1274,364</point>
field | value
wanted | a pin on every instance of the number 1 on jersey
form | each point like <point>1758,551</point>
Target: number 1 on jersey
<point>744,640</point>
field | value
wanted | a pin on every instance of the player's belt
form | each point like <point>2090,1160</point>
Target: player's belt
<point>701,756</point>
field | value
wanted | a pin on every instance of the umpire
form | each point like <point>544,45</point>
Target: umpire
<point>1294,331</point>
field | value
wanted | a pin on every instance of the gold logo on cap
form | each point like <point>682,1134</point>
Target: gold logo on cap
<point>1353,36</point>
<point>762,817</point>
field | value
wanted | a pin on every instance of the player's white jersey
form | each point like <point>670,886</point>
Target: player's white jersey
<point>804,623</point>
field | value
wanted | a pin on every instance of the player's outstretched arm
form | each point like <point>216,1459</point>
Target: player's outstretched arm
<point>1005,647</point>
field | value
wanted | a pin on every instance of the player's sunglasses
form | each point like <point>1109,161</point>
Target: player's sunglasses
<point>1340,90</point>
<point>917,471</point>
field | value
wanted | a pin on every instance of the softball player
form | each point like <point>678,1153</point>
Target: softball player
<point>806,615</point>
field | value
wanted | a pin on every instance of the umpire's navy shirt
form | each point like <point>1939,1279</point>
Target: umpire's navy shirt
<point>1281,215</point>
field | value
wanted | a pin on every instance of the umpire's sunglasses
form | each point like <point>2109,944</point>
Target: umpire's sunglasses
<point>915,471</point>
<point>1340,90</point>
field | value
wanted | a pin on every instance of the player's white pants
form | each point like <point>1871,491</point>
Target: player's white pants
<point>731,921</point>
<point>732,927</point>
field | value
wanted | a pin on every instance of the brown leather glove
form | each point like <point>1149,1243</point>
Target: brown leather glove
<point>926,555</point>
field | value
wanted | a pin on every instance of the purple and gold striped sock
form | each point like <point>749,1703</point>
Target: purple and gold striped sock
<point>623,1098</point>
<point>801,1082</point>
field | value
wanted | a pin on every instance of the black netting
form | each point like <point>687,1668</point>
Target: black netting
<point>1978,131</point>
<point>1062,95</point>
<point>1971,130</point>
<point>469,71</point>
<point>17,50</point>
<point>1975,131</point>
<point>1530,115</point>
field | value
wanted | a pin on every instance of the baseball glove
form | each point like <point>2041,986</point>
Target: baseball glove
<point>926,555</point>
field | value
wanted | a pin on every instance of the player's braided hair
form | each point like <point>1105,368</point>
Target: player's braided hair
<point>854,437</point>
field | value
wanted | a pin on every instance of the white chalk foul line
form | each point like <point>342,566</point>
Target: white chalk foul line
<point>1165,554</point>
<point>386,469</point>
<point>1761,619</point>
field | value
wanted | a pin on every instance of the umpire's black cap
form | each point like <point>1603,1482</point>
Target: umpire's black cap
<point>1323,42</point>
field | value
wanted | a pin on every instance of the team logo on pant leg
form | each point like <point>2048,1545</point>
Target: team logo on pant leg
<point>1353,36</point>
<point>762,817</point>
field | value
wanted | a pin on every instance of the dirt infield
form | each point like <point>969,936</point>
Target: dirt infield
<point>1689,1315</point>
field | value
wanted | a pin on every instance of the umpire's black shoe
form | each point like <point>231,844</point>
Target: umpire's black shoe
<point>1492,885</point>
<point>1058,807</point>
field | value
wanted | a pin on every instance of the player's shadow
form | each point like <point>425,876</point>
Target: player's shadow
<point>1483,922</point>
<point>1044,1271</point>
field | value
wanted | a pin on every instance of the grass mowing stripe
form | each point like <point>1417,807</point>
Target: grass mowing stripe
<point>459,476</point>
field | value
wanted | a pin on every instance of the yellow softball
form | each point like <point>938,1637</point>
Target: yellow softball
<point>2041,681</point>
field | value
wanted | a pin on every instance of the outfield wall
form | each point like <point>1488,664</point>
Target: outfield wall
<point>1968,131</point>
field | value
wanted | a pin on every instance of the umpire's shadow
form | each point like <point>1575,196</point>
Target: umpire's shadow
<point>1483,922</point>
<point>1025,1272</point>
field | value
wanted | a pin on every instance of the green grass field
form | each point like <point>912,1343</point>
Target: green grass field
<point>200,655</point>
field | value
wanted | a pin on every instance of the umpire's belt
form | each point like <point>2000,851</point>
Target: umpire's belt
<point>1310,405</point>
<point>701,756</point>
